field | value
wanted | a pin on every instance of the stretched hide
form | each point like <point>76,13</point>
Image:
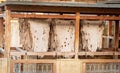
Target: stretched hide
<point>62,35</point>
<point>92,32</point>
<point>40,34</point>
<point>25,35</point>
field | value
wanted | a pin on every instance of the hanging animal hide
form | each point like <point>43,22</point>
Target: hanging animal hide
<point>25,35</point>
<point>40,33</point>
<point>62,35</point>
<point>92,32</point>
<point>35,34</point>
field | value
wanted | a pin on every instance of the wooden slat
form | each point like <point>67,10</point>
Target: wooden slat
<point>42,53</point>
<point>64,16</point>
<point>65,53</point>
<point>63,9</point>
<point>100,61</point>
<point>116,37</point>
<point>27,61</point>
<point>7,33</point>
<point>17,53</point>
<point>1,32</point>
<point>4,65</point>
<point>96,53</point>
<point>110,28</point>
<point>84,68</point>
<point>100,17</point>
<point>77,28</point>
<point>42,16</point>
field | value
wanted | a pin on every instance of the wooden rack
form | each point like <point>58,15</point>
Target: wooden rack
<point>13,10</point>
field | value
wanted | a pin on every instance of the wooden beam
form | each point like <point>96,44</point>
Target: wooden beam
<point>116,37</point>
<point>63,9</point>
<point>77,29</point>
<point>27,61</point>
<point>64,16</point>
<point>1,32</point>
<point>42,16</point>
<point>110,28</point>
<point>17,53</point>
<point>7,33</point>
<point>65,53</point>
<point>42,53</point>
<point>100,61</point>
<point>83,67</point>
<point>97,53</point>
<point>100,17</point>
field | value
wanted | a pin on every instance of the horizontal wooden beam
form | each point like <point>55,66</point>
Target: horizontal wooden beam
<point>96,53</point>
<point>33,61</point>
<point>42,53</point>
<point>42,16</point>
<point>100,17</point>
<point>54,61</point>
<point>17,53</point>
<point>64,9</point>
<point>64,16</point>
<point>100,61</point>
<point>62,53</point>
<point>65,53</point>
<point>33,53</point>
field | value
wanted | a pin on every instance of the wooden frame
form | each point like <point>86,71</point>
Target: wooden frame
<point>84,62</point>
<point>12,11</point>
<point>82,17</point>
<point>28,61</point>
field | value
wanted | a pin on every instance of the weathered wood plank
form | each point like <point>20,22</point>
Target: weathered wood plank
<point>7,32</point>
<point>4,65</point>
<point>77,28</point>
<point>1,32</point>
<point>116,37</point>
<point>64,16</point>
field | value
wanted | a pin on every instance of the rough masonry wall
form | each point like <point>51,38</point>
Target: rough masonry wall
<point>62,38</point>
<point>92,32</point>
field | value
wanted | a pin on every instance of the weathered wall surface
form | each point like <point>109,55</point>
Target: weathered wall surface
<point>62,38</point>
<point>15,37</point>
<point>92,32</point>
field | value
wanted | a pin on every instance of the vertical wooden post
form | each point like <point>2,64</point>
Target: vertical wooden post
<point>83,67</point>
<point>1,32</point>
<point>116,36</point>
<point>77,26</point>
<point>7,32</point>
